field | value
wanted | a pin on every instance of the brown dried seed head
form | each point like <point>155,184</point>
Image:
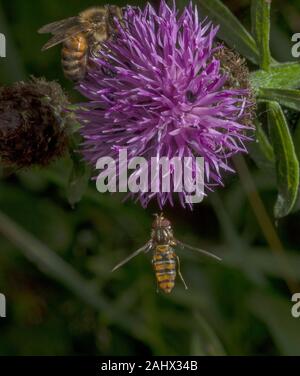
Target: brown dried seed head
<point>236,69</point>
<point>32,123</point>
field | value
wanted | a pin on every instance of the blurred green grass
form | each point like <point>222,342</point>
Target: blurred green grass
<point>239,307</point>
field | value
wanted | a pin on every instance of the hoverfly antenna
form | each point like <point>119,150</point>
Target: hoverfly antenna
<point>161,218</point>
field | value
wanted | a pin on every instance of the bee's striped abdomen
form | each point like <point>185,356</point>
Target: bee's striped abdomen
<point>164,263</point>
<point>74,57</point>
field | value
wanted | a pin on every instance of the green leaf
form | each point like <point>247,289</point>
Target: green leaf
<point>231,30</point>
<point>264,142</point>
<point>296,138</point>
<point>287,97</point>
<point>260,14</point>
<point>279,76</point>
<point>287,166</point>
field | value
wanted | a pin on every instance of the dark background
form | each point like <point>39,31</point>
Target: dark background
<point>238,307</point>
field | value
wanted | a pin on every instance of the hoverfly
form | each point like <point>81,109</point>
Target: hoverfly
<point>166,263</point>
<point>80,36</point>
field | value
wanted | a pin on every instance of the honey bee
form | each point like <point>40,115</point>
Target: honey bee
<point>81,35</point>
<point>166,263</point>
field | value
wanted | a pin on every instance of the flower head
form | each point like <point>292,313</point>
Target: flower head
<point>32,123</point>
<point>160,89</point>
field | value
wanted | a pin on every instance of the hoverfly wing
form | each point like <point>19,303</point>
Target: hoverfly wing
<point>209,254</point>
<point>58,26</point>
<point>63,35</point>
<point>146,248</point>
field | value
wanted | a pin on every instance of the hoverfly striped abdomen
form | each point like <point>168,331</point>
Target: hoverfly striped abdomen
<point>164,264</point>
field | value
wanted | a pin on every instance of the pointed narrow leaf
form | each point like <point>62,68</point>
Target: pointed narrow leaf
<point>287,166</point>
<point>231,30</point>
<point>260,16</point>
<point>279,76</point>
<point>296,138</point>
<point>287,97</point>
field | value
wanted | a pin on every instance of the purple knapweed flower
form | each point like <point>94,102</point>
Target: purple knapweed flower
<point>162,87</point>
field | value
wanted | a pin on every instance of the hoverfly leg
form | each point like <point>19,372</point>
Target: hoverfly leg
<point>179,273</point>
<point>183,245</point>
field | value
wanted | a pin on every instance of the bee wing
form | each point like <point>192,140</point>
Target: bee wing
<point>64,35</point>
<point>57,26</point>
<point>183,245</point>
<point>146,248</point>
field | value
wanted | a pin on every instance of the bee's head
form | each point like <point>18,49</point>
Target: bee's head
<point>114,11</point>
<point>93,15</point>
<point>160,221</point>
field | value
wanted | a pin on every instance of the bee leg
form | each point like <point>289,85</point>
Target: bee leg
<point>179,273</point>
